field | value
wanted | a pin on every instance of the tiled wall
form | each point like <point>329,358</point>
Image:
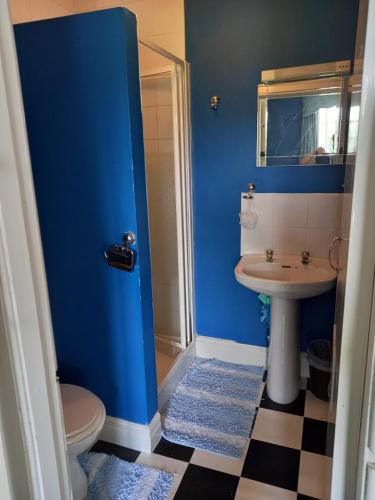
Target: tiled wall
<point>158,135</point>
<point>291,223</point>
<point>160,21</point>
<point>33,10</point>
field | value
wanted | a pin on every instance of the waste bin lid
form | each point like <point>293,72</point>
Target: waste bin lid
<point>319,354</point>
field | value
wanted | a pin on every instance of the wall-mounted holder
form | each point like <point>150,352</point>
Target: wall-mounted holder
<point>122,256</point>
<point>215,102</point>
<point>248,219</point>
<point>250,191</point>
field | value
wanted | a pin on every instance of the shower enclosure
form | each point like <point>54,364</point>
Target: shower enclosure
<point>164,89</point>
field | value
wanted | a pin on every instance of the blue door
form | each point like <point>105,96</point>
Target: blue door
<point>80,86</point>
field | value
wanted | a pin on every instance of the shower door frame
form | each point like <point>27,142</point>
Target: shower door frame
<point>180,78</point>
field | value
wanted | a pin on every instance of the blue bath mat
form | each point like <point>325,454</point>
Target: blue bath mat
<point>214,406</point>
<point>110,478</point>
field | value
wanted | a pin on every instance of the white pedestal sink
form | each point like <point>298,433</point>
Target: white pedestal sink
<point>286,280</point>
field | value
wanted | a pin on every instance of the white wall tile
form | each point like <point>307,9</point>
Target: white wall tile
<point>143,9</point>
<point>288,240</point>
<point>261,204</point>
<point>168,16</point>
<point>347,200</point>
<point>107,4</point>
<point>46,9</point>
<point>318,240</point>
<point>150,129</point>
<point>148,92</point>
<point>165,122</point>
<point>325,210</point>
<point>83,5</point>
<point>173,42</point>
<point>20,10</point>
<point>68,4</point>
<point>291,223</point>
<point>163,90</point>
<point>256,240</point>
<point>161,21</point>
<point>289,210</point>
<point>151,146</point>
<point>166,145</point>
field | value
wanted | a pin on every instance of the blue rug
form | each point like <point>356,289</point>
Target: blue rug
<point>110,478</point>
<point>214,406</point>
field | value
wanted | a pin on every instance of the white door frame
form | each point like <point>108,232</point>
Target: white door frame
<point>359,288</point>
<point>30,406</point>
<point>180,77</point>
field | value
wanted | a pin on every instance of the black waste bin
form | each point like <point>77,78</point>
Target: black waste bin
<point>319,356</point>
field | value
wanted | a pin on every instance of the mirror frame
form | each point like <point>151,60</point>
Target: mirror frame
<point>316,79</point>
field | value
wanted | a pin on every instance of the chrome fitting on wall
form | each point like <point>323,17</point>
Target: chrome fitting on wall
<point>215,102</point>
<point>250,191</point>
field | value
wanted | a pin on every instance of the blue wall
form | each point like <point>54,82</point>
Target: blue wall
<point>228,45</point>
<point>81,93</point>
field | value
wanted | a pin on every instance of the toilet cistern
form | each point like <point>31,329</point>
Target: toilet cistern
<point>286,279</point>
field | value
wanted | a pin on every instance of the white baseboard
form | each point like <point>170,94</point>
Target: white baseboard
<point>145,437</point>
<point>131,435</point>
<point>169,384</point>
<point>230,351</point>
<point>234,352</point>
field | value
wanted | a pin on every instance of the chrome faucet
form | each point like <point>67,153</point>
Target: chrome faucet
<point>305,257</point>
<point>269,255</point>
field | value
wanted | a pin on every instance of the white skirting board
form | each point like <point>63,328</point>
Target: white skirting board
<point>145,437</point>
<point>131,435</point>
<point>169,384</point>
<point>234,352</point>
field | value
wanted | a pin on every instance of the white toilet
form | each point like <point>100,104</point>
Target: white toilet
<point>84,416</point>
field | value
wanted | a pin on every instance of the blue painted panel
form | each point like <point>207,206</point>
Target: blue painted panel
<point>82,100</point>
<point>228,45</point>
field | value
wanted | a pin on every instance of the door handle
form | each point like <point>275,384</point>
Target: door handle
<point>122,256</point>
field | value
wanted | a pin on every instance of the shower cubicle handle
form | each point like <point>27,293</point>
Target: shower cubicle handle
<point>122,256</point>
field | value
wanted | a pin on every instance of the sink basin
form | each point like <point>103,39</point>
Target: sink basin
<point>285,280</point>
<point>286,277</point>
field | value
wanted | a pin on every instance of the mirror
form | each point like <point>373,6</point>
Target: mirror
<point>302,122</point>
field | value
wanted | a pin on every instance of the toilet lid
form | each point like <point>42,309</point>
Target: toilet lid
<point>82,410</point>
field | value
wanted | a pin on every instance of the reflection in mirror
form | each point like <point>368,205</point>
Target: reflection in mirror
<point>354,92</point>
<point>300,123</point>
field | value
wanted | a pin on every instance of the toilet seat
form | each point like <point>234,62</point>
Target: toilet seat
<point>83,412</point>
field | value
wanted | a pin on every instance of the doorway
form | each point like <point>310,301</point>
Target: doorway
<point>165,105</point>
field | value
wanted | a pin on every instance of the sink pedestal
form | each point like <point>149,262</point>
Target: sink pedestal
<point>284,353</point>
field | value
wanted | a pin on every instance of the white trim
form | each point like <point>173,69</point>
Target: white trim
<point>162,70</point>
<point>359,287</point>
<point>169,384</point>
<point>180,79</point>
<point>235,352</point>
<point>230,351</point>
<point>188,207</point>
<point>160,50</point>
<point>140,437</point>
<point>27,340</point>
<point>168,341</point>
<point>180,197</point>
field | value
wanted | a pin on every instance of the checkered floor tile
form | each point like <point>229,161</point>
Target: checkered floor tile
<point>287,457</point>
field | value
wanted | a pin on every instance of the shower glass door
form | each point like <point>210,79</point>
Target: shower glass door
<point>161,193</point>
<point>166,142</point>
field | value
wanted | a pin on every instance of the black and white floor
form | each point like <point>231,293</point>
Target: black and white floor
<point>287,458</point>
